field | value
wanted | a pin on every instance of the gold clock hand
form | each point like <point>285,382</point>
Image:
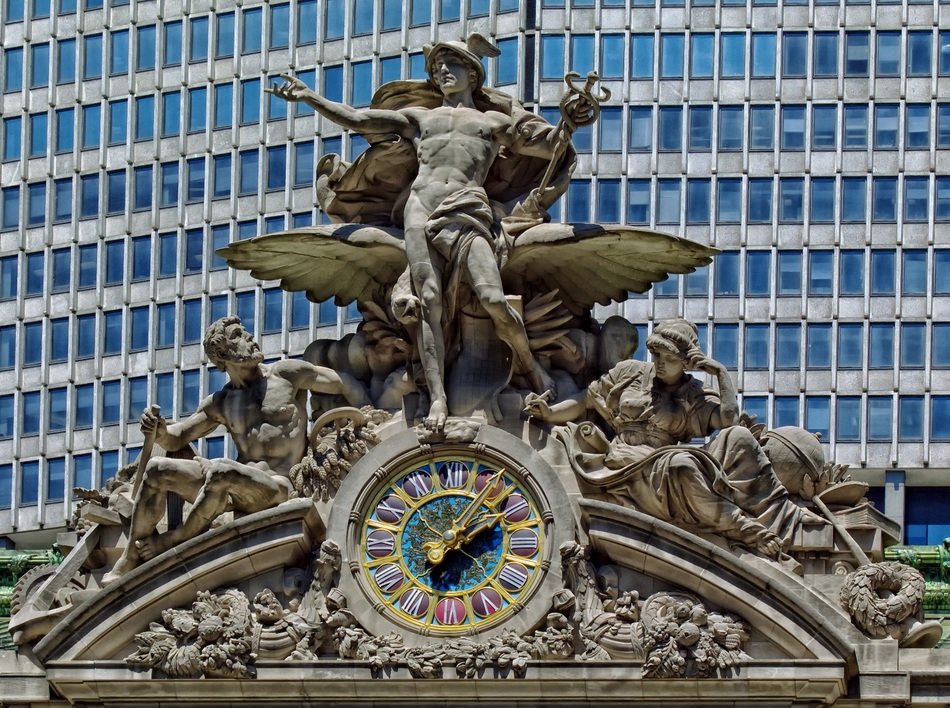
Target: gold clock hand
<point>451,538</point>
<point>482,523</point>
<point>465,517</point>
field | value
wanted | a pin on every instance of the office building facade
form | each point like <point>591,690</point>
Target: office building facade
<point>810,142</point>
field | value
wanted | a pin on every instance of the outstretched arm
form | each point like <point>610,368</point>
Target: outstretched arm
<point>361,121</point>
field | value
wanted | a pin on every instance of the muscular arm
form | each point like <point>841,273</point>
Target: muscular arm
<point>176,436</point>
<point>361,121</point>
<point>320,379</point>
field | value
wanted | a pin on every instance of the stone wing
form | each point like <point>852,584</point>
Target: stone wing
<point>589,264</point>
<point>345,261</point>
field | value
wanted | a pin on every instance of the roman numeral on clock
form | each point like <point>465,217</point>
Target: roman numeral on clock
<point>513,576</point>
<point>389,577</point>
<point>417,484</point>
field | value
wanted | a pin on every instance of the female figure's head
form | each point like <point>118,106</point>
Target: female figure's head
<point>673,344</point>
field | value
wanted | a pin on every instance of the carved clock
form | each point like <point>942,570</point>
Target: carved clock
<point>451,540</point>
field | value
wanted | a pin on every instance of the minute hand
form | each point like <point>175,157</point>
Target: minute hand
<point>465,517</point>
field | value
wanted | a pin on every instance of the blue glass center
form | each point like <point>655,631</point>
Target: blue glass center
<point>462,568</point>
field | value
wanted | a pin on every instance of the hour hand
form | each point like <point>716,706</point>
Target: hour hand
<point>482,522</point>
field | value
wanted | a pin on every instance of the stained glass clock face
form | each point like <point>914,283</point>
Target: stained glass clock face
<point>452,544</point>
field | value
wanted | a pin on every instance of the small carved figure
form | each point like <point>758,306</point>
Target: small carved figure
<point>263,406</point>
<point>728,488</point>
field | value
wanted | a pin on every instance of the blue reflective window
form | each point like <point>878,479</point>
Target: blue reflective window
<point>763,54</point>
<point>914,272</point>
<point>303,164</point>
<point>244,308</point>
<point>818,415</point>
<point>82,472</point>
<point>552,56</point>
<point>142,188</point>
<point>611,55</point>
<point>825,50</point>
<point>853,199</point>
<point>112,332</point>
<point>824,127</point>
<point>247,171</point>
<point>197,109</point>
<point>883,272</point>
<point>848,419</point>
<point>141,258</point>
<point>195,180</point>
<point>118,121</point>
<point>420,12</point>
<point>727,273</point>
<point>250,101</point>
<point>671,56</point>
<point>729,201</point>
<point>64,127</point>
<point>167,255</point>
<point>638,201</point>
<point>608,201</point>
<point>730,127</point>
<point>641,56</point>
<point>137,399</point>
<point>89,196</point>
<point>697,201</point>
<point>362,17</point>
<point>851,273</point>
<point>13,69</point>
<point>785,411</point>
<point>35,264</point>
<point>791,200</point>
<point>224,35</point>
<point>818,346</point>
<point>12,127</point>
<point>726,345</point>
<point>760,201</point>
<point>276,168</point>
<point>32,343</point>
<point>8,278</point>
<point>171,113</point>
<point>850,346</point>
<point>913,350</point>
<point>700,128</point>
<point>885,125</point>
<point>165,326</point>
<point>138,330</point>
<point>761,127</point>
<point>221,177</point>
<point>668,201</point>
<point>36,204</point>
<point>582,53</point>
<point>670,128</point>
<point>194,250</point>
<point>111,402</point>
<point>56,410</point>
<point>392,14</point>
<point>198,38</point>
<point>362,83</point>
<point>191,321</point>
<point>881,346</point>
<point>171,46</point>
<point>88,266</point>
<point>794,54</point>
<point>119,52</point>
<point>820,272</point>
<point>85,337</point>
<point>916,198</point>
<point>251,32</point>
<point>793,127</point>
<point>701,51</point>
<point>640,137</point>
<point>7,346</point>
<point>63,199</point>
<point>13,11</point>
<point>888,54</point>
<point>917,126</point>
<point>919,53</point>
<point>168,184</point>
<point>39,65</point>
<point>857,53</point>
<point>6,432</point>
<point>11,208</point>
<point>880,418</point>
<point>884,201</point>
<point>145,48</point>
<point>732,55</point>
<point>822,200</point>
<point>92,56</point>
<point>788,344</point>
<point>115,262</point>
<point>61,271</point>
<point>756,348</point>
<point>942,199</point>
<point>390,68</point>
<point>39,124</point>
<point>30,475</point>
<point>223,105</point>
<point>910,423</point>
<point>758,273</point>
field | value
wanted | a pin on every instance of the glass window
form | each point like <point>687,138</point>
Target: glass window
<point>942,199</point>
<point>279,35</point>
<point>552,56</point>
<point>89,196</point>
<point>757,272</point>
<point>112,332</point>
<point>250,101</point>
<point>885,126</point>
<point>793,127</point>
<point>818,415</point>
<point>789,272</point>
<point>919,53</point>
<point>244,307</point>
<point>791,200</point>
<point>251,23</point>
<point>167,255</point>
<point>728,200</point>
<point>818,351</point>
<point>171,47</point>
<point>820,272</point>
<point>191,321</point>
<point>392,14</point>
<point>855,127</point>
<point>138,329</point>
<point>943,125</point>
<point>763,54</point>
<point>168,195</point>
<point>788,344</point>
<point>794,54</point>
<point>756,346</point>
<point>110,403</point>
<point>165,330</point>
<point>697,201</point>
<point>13,69</point>
<point>668,201</point>
<point>582,53</point>
<point>732,55</point>
<point>638,201</point>
<point>941,345</point>
<point>578,200</point>
<point>725,345</point>
<point>7,346</point>
<point>506,66</point>
<point>144,117</point>
<point>92,56</point>
<point>119,52</point>
<point>822,199</point>
<point>850,346</point>
<point>142,188</point>
<point>30,478</point>
<point>913,345</point>
<point>760,200</point>
<point>171,113</point>
<point>61,271</point>
<point>195,180</point>
<point>6,432</point>
<point>825,54</point>
<point>883,272</point>
<point>880,418</point>
<point>224,37</point>
<point>881,346</point>
<point>247,168</point>
<point>640,137</point>
<point>914,272</point>
<point>145,48</point>
<point>39,124</point>
<point>85,336</point>
<point>916,198</point>
<point>32,343</point>
<point>39,65</point>
<point>671,55</point>
<point>761,127</point>
<point>888,54</point>
<point>727,273</point>
<point>641,56</point>
<point>12,127</point>
<point>730,127</point>
<point>223,105</point>
<point>141,258</point>
<point>670,129</point>
<point>848,419</point>
<point>785,411</point>
<point>917,126</point>
<point>857,52</point>
<point>824,127</point>
<point>700,128</point>
<point>851,273</point>
<point>884,205</point>
<point>608,201</point>
<point>115,261</point>
<point>118,121</point>
<point>221,177</point>
<point>853,199</point>
<point>88,266</point>
<point>610,129</point>
<point>198,38</point>
<point>194,250</point>
<point>36,204</point>
<point>910,423</point>
<point>197,109</point>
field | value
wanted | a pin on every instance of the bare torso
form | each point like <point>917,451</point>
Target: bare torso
<point>455,148</point>
<point>267,419</point>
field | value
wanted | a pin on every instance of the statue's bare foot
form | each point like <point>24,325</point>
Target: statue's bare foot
<point>438,412</point>
<point>127,562</point>
<point>155,545</point>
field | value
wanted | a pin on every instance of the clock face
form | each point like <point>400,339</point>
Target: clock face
<point>452,544</point>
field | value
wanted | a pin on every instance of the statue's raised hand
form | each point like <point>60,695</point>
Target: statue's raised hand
<point>150,423</point>
<point>697,361</point>
<point>537,405</point>
<point>292,89</point>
